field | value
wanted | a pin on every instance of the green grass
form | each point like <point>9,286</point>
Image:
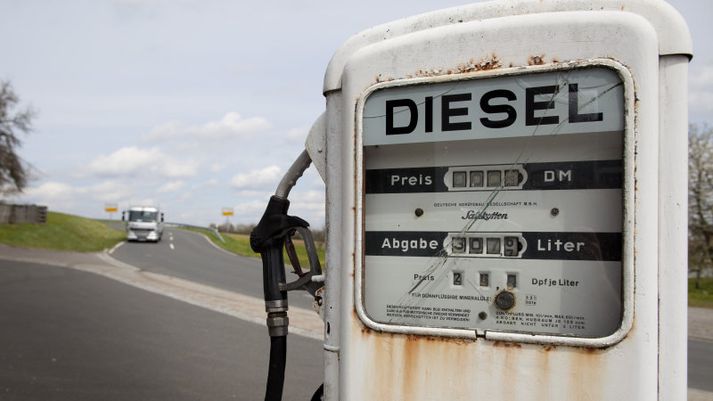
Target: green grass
<point>230,244</point>
<point>702,297</point>
<point>62,232</point>
<point>240,244</point>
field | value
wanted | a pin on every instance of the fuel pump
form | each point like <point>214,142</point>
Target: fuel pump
<point>506,205</point>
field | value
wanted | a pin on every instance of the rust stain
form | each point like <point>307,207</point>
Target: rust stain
<point>485,64</point>
<point>506,344</point>
<point>411,352</point>
<point>381,78</point>
<point>586,375</point>
<point>410,367</point>
<point>542,384</point>
<point>536,60</point>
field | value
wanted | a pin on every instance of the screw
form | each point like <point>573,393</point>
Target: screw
<point>554,211</point>
<point>482,315</point>
<point>418,212</point>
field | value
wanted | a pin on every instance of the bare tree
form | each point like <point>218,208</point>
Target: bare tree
<point>700,200</point>
<point>13,171</point>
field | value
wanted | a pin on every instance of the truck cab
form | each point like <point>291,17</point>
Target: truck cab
<point>144,223</point>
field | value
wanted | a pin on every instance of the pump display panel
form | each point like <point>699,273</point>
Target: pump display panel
<point>496,204</point>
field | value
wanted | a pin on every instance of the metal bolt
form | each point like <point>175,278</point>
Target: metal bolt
<point>482,315</point>
<point>554,211</point>
<point>505,300</point>
<point>418,212</point>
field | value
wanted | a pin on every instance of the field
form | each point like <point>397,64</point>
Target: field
<point>62,232</point>
<point>702,297</point>
<point>240,244</point>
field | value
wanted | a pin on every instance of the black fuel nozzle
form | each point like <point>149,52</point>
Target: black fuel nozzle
<point>268,238</point>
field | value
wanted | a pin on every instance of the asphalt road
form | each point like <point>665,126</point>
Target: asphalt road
<point>71,335</point>
<point>189,256</point>
<point>700,364</point>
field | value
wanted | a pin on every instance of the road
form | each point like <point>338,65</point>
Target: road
<point>700,364</point>
<point>71,335</point>
<point>189,256</point>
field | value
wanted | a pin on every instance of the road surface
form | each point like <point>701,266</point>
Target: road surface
<point>188,255</point>
<point>700,365</point>
<point>71,335</point>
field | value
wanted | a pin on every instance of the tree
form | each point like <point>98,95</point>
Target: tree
<point>700,200</point>
<point>14,172</point>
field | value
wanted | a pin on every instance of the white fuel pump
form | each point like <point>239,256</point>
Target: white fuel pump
<point>506,204</point>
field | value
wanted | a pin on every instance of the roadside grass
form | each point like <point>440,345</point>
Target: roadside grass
<point>702,297</point>
<point>240,244</point>
<point>63,232</point>
<point>230,244</point>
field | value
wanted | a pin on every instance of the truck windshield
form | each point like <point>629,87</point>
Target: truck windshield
<point>135,215</point>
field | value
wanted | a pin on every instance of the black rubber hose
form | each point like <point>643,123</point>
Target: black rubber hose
<point>276,371</point>
<point>317,396</point>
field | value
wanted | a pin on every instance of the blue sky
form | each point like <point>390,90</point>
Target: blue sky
<point>198,105</point>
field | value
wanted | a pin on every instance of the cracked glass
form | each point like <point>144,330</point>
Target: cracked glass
<point>519,181</point>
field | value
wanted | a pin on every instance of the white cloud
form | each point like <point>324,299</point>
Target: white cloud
<point>252,210</point>
<point>50,191</point>
<point>257,179</point>
<point>297,134</point>
<point>250,193</point>
<point>310,206</point>
<point>54,193</point>
<point>171,186</point>
<point>700,97</point>
<point>108,191</point>
<point>232,125</point>
<point>703,77</point>
<point>132,161</point>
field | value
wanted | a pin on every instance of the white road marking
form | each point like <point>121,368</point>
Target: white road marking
<point>116,247</point>
<point>214,245</point>
<point>171,245</point>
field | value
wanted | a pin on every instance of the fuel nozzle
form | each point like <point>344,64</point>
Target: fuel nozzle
<point>268,238</point>
<point>273,232</point>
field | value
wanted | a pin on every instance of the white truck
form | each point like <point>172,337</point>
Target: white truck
<point>144,223</point>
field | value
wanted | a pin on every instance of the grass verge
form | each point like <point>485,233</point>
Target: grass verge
<point>701,297</point>
<point>230,244</point>
<point>63,232</point>
<point>240,244</point>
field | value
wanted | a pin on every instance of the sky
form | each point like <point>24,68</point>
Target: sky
<point>198,105</point>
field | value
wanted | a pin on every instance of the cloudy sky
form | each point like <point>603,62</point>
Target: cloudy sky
<point>198,105</point>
